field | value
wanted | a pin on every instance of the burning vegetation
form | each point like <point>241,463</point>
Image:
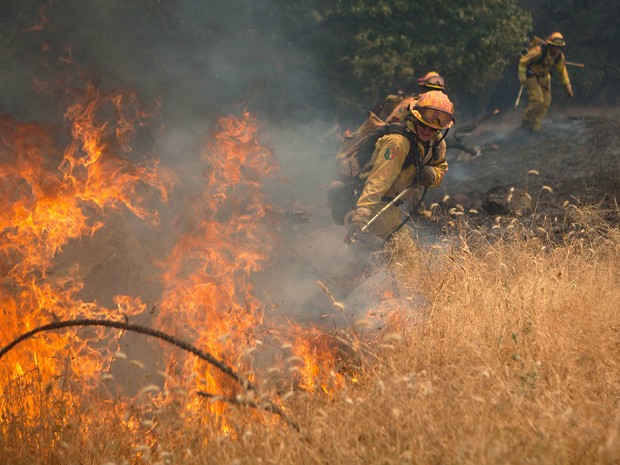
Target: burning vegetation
<point>510,356</point>
<point>60,186</point>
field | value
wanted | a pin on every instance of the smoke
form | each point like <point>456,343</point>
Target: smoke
<point>201,60</point>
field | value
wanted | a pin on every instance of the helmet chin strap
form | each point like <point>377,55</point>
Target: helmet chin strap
<point>443,136</point>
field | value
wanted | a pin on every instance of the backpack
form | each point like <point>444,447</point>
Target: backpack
<point>543,46</point>
<point>354,158</point>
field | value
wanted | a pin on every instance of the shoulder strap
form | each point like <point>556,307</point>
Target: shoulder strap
<point>401,128</point>
<point>413,156</point>
<point>390,128</point>
<point>543,54</point>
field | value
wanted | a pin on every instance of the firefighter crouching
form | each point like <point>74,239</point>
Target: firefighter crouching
<point>535,75</point>
<point>395,167</point>
<point>431,81</point>
<point>411,157</point>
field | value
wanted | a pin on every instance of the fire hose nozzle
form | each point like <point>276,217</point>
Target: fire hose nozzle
<point>364,228</point>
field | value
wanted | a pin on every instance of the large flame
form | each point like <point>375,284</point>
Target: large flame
<point>208,295</point>
<point>54,194</point>
<point>50,196</point>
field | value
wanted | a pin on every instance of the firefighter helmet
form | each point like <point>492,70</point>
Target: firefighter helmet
<point>432,80</point>
<point>556,39</point>
<point>434,109</point>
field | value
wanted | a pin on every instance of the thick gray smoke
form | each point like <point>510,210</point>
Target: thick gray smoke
<point>203,60</point>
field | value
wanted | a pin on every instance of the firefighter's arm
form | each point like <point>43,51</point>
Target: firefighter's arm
<point>390,153</point>
<point>532,54</point>
<point>435,170</point>
<point>560,68</point>
<point>522,73</point>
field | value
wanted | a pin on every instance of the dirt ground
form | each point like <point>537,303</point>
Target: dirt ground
<point>575,158</point>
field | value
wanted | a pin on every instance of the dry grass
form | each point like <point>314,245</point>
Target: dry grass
<point>515,362</point>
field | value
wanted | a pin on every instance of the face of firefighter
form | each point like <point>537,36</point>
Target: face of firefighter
<point>425,133</point>
<point>554,51</point>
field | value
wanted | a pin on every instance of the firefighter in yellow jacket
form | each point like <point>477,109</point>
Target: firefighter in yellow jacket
<point>394,108</point>
<point>386,175</point>
<point>535,75</point>
<point>393,166</point>
<point>398,111</point>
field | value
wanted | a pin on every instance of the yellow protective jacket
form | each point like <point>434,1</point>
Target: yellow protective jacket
<point>538,62</point>
<point>401,111</point>
<point>388,105</point>
<point>387,178</point>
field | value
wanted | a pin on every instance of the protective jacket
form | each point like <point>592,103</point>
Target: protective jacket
<point>401,110</point>
<point>388,176</point>
<point>538,62</point>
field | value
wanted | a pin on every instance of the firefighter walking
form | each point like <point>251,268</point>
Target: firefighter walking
<point>535,75</point>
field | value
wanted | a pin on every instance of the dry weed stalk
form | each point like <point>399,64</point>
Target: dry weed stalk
<point>516,361</point>
<point>219,364</point>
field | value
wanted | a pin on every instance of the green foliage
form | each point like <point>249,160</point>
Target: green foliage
<point>370,48</point>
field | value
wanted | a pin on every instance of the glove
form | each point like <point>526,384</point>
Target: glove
<point>354,230</point>
<point>522,79</point>
<point>569,90</point>
<point>427,177</point>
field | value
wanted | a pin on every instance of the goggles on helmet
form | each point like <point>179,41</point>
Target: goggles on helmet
<point>556,39</point>
<point>433,117</point>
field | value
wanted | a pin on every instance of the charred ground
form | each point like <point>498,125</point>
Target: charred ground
<point>575,159</point>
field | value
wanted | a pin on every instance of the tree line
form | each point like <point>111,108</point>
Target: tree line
<point>357,50</point>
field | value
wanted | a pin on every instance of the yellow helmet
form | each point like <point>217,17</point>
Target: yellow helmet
<point>432,80</point>
<point>556,39</point>
<point>434,109</point>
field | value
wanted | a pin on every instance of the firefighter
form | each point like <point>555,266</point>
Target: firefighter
<point>534,74</point>
<point>393,169</point>
<point>398,110</point>
<point>395,109</point>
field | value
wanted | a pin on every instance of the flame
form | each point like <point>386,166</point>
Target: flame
<point>53,194</point>
<point>319,372</point>
<point>49,197</point>
<point>208,296</point>
<point>43,23</point>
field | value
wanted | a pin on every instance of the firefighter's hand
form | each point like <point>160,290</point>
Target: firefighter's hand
<point>427,177</point>
<point>569,90</point>
<point>354,231</point>
<point>522,79</point>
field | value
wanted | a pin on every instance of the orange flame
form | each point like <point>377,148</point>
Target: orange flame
<point>52,196</point>
<point>208,296</point>
<point>318,372</point>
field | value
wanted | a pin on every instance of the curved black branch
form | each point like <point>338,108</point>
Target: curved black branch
<point>267,406</point>
<point>138,329</point>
